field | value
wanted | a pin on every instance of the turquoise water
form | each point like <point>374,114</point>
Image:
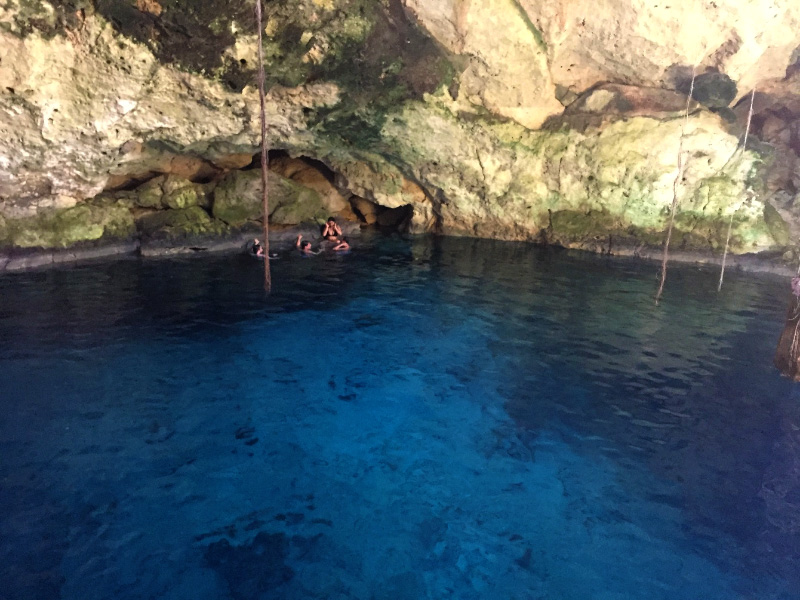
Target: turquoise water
<point>417,419</point>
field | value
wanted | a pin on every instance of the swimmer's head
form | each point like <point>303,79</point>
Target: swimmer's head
<point>331,220</point>
<point>304,245</point>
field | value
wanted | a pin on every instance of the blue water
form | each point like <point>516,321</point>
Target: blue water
<point>417,419</point>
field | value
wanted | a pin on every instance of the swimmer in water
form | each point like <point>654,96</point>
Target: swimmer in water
<point>331,230</point>
<point>257,250</point>
<point>304,247</point>
<point>341,246</point>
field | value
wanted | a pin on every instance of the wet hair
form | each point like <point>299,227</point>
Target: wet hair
<point>305,245</point>
<point>331,220</point>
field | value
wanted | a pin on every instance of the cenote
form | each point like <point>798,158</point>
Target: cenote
<point>424,418</point>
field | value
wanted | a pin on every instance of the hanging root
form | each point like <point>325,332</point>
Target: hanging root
<point>725,254</point>
<point>730,223</point>
<point>794,347</point>
<point>675,184</point>
<point>264,155</point>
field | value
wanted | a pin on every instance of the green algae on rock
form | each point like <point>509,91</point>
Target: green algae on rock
<point>504,180</point>
<point>180,223</point>
<point>237,199</point>
<point>179,193</point>
<point>62,228</point>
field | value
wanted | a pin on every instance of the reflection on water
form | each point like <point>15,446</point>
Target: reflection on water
<point>426,419</point>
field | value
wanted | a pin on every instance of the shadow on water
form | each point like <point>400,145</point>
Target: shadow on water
<point>107,302</point>
<point>687,387</point>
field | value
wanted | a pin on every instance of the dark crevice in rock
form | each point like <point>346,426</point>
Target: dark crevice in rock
<point>272,155</point>
<point>277,154</point>
<point>320,166</point>
<point>126,183</point>
<point>389,219</point>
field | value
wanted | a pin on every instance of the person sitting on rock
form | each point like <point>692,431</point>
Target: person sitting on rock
<point>304,247</point>
<point>342,246</point>
<point>331,230</point>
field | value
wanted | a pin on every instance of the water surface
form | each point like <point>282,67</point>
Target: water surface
<point>416,419</point>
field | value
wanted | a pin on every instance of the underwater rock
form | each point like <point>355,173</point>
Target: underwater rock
<point>252,570</point>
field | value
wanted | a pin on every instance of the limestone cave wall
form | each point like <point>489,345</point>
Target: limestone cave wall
<point>557,122</point>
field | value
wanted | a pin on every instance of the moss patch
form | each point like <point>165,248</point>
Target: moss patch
<point>237,199</point>
<point>180,223</point>
<point>690,231</point>
<point>150,194</point>
<point>63,228</point>
<point>574,225</point>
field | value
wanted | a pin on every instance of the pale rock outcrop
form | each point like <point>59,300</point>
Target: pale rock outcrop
<point>506,64</point>
<point>77,110</point>
<point>517,51</point>
<point>510,181</point>
<point>642,42</point>
<point>307,176</point>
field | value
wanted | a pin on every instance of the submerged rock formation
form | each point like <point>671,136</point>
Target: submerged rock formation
<point>555,122</point>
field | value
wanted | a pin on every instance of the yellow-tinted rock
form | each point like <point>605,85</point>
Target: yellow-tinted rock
<point>238,199</point>
<point>308,176</point>
<point>62,228</point>
<point>365,209</point>
<point>232,161</point>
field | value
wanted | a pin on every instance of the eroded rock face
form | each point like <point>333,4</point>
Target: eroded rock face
<point>454,108</point>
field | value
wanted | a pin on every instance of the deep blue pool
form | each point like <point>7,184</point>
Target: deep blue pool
<point>417,419</point>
